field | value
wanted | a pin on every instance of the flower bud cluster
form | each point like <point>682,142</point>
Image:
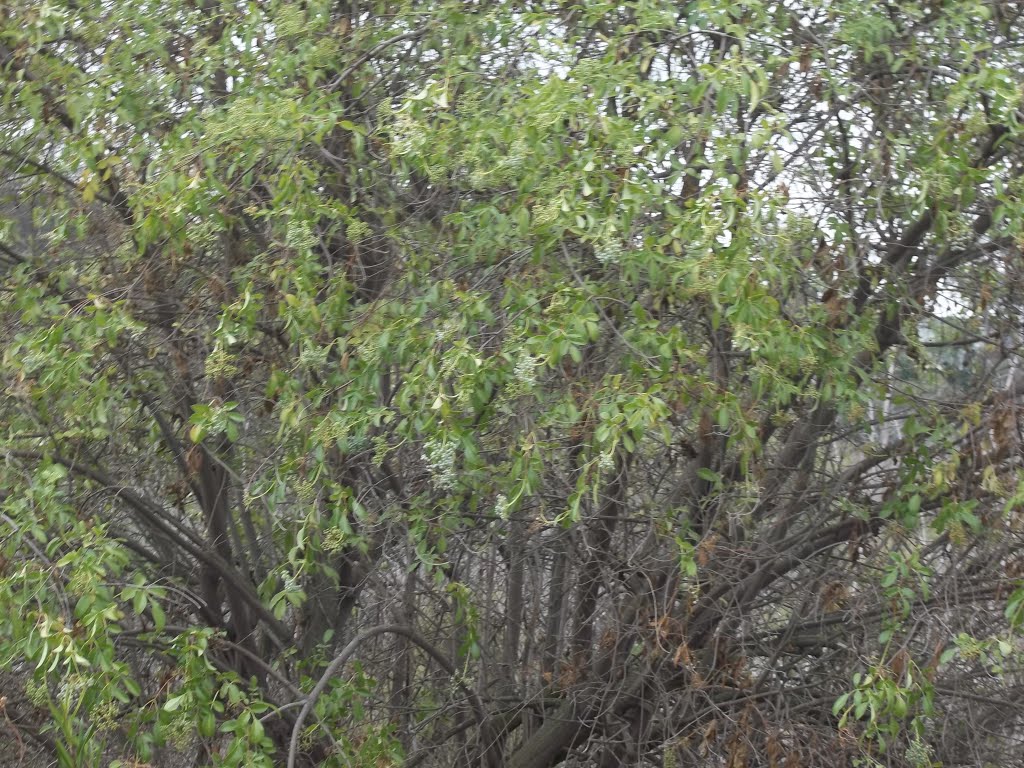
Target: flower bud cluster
<point>440,458</point>
<point>608,252</point>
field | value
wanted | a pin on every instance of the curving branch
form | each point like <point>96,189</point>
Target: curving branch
<point>347,652</point>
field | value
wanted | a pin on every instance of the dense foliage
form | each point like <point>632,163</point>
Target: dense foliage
<point>512,384</point>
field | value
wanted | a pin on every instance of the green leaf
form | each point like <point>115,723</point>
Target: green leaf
<point>709,475</point>
<point>840,703</point>
<point>159,618</point>
<point>174,703</point>
<point>914,504</point>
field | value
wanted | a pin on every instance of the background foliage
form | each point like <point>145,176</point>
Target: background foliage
<point>511,383</point>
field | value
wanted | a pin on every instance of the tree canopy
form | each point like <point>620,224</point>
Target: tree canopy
<point>511,384</point>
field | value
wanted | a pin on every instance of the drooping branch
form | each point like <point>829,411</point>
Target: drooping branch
<point>159,520</point>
